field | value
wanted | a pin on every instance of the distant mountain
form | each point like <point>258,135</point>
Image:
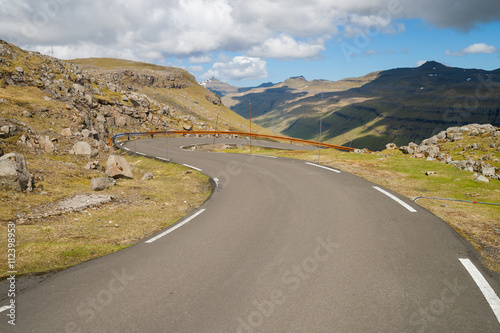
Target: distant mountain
<point>223,88</point>
<point>398,105</point>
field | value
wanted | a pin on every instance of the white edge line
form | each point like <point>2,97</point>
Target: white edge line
<point>217,182</point>
<point>264,156</point>
<point>484,286</point>
<point>192,167</point>
<point>175,227</point>
<point>3,308</point>
<point>126,148</point>
<point>141,154</point>
<point>161,158</point>
<point>399,201</point>
<point>323,167</point>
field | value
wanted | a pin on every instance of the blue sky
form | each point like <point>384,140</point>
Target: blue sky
<point>246,43</point>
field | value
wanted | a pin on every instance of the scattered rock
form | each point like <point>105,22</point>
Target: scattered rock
<point>92,165</point>
<point>101,183</point>
<point>14,172</point>
<point>428,173</point>
<point>482,179</point>
<point>430,149</point>
<point>82,148</point>
<point>66,132</point>
<point>147,176</point>
<point>27,114</point>
<point>6,131</point>
<point>187,127</point>
<point>488,170</point>
<point>118,167</point>
<point>391,146</point>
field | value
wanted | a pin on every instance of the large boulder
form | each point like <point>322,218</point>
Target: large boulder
<point>429,150</point>
<point>14,172</point>
<point>118,167</point>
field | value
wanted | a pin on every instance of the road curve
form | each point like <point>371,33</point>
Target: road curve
<point>281,246</point>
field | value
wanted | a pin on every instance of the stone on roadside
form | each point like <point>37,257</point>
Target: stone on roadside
<point>101,183</point>
<point>118,167</point>
<point>14,172</point>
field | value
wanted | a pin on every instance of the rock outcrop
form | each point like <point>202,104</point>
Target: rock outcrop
<point>14,173</point>
<point>431,148</point>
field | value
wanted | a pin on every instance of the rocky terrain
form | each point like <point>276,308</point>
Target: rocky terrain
<point>473,147</point>
<point>51,107</point>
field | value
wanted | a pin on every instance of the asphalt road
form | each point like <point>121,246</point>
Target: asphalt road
<point>281,246</point>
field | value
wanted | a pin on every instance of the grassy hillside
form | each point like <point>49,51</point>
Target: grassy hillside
<point>171,86</point>
<point>399,105</point>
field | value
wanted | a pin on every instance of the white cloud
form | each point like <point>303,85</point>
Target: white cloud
<point>286,47</point>
<point>148,29</point>
<point>239,68</point>
<point>474,49</point>
<point>480,48</point>
<point>195,68</point>
<point>201,59</point>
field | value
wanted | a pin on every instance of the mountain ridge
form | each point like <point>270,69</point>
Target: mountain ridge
<point>398,105</point>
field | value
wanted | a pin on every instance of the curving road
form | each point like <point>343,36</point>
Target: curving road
<point>281,246</point>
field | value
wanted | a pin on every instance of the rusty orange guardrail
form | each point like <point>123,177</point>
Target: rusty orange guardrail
<point>112,140</point>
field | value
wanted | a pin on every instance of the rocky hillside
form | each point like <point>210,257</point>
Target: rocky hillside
<point>398,105</point>
<point>55,108</point>
<point>472,147</point>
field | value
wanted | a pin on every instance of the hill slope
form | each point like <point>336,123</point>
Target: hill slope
<point>398,105</point>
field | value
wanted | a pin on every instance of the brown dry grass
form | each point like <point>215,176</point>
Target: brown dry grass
<point>140,209</point>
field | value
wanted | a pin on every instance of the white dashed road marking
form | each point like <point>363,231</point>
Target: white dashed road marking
<point>484,286</point>
<point>323,167</point>
<point>399,201</point>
